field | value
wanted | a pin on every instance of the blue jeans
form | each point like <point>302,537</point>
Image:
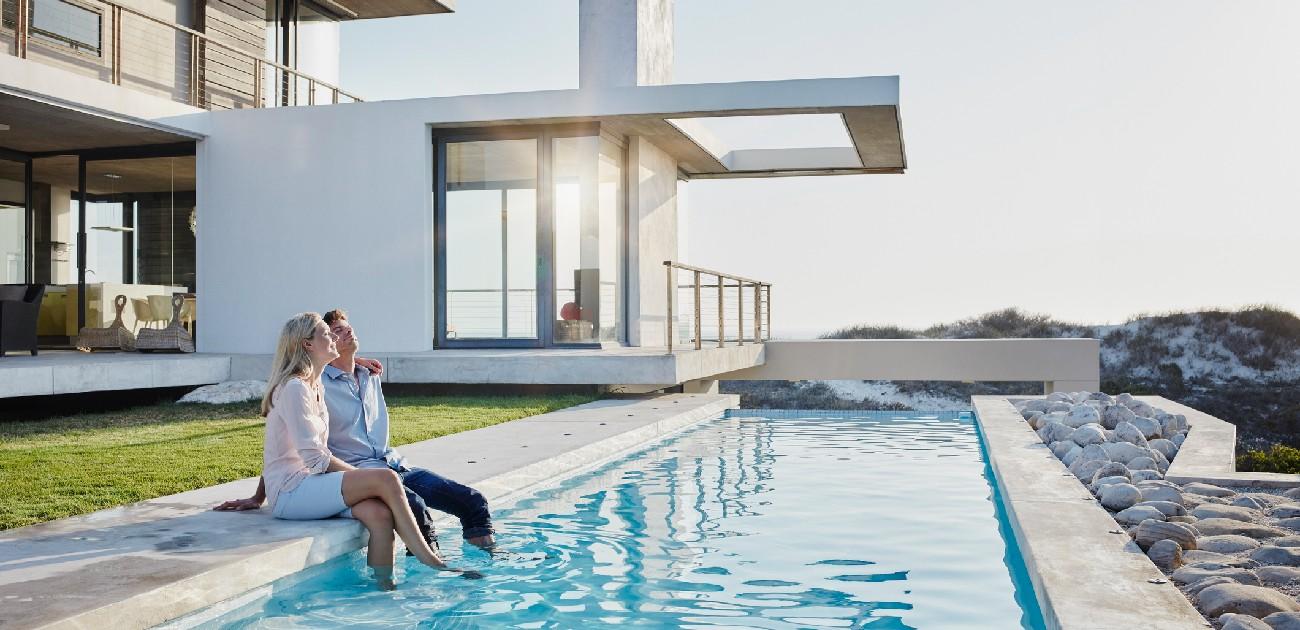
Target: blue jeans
<point>427,489</point>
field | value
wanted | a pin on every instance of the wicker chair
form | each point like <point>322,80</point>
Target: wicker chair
<point>19,306</point>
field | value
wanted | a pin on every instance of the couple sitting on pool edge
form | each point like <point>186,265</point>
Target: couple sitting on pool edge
<point>327,454</point>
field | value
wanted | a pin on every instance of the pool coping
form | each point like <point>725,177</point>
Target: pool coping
<point>147,563</point>
<point>1209,454</point>
<point>1084,576</point>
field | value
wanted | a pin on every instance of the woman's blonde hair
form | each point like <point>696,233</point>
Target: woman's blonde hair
<point>291,358</point>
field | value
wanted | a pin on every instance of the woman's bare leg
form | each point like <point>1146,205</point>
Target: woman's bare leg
<point>384,485</point>
<point>378,519</point>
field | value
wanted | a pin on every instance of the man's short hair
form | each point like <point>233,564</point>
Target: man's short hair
<point>335,315</point>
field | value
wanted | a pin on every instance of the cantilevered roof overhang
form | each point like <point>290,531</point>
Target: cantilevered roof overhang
<point>675,118</point>
<point>370,9</point>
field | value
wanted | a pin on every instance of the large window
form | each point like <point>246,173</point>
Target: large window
<point>588,208</point>
<point>13,223</point>
<point>491,240</point>
<point>529,239</point>
<point>65,23</point>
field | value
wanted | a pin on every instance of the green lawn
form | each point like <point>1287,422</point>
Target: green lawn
<point>72,465</point>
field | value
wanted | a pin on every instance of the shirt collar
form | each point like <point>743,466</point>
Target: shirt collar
<point>333,372</point>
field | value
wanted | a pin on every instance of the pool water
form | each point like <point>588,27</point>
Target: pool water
<point>770,519</point>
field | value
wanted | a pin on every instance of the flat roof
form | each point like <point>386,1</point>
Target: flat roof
<point>370,9</point>
<point>675,118</point>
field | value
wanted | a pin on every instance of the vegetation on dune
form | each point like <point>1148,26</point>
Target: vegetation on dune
<point>1278,458</point>
<point>1240,365</point>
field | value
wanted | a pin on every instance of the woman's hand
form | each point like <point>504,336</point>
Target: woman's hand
<point>239,505</point>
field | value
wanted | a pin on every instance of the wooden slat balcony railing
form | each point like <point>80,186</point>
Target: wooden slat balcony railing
<point>730,293</point>
<point>127,47</point>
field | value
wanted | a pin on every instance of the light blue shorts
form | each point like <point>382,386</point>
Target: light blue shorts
<point>317,496</point>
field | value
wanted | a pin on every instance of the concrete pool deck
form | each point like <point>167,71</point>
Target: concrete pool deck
<point>142,564</point>
<point>1085,577</point>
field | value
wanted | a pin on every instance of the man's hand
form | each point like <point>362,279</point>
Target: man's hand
<point>373,365</point>
<point>239,505</point>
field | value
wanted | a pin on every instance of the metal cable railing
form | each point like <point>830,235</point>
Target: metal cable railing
<point>719,303</point>
<point>124,46</point>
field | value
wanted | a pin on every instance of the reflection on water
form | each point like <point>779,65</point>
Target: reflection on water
<point>801,520</point>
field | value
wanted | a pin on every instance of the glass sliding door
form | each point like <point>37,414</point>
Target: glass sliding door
<point>14,230</point>
<point>588,221</point>
<point>488,220</point>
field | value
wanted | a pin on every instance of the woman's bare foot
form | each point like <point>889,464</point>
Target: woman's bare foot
<point>384,578</point>
<point>482,542</point>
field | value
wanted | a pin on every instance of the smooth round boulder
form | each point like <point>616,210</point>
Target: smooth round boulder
<point>1059,397</point>
<point>1112,415</point>
<point>1143,463</point>
<point>1192,573</point>
<point>1149,532</point>
<point>1173,424</point>
<point>1085,469</point>
<point>1293,493</point>
<point>1211,560</point>
<point>1207,490</point>
<point>1072,455</point>
<point>1277,556</point>
<point>1289,523</point>
<point>1120,496</point>
<point>1088,434</point>
<point>1286,541</point>
<point>1059,407</point>
<point>1233,621</point>
<point>1162,493</point>
<point>1138,513</point>
<point>1149,427</point>
<point>1054,432</point>
<point>1277,575</point>
<point>1183,519</point>
<point>1101,482</point>
<point>1227,543</point>
<point>1126,432</point>
<point>1037,404</point>
<point>1283,621</point>
<point>1123,452</point>
<point>1164,447</point>
<point>1166,554</point>
<point>1111,469</point>
<point>1289,510</point>
<point>1095,452</point>
<point>1162,464</point>
<point>1248,502</point>
<point>1255,601</point>
<point>1142,409</point>
<point>1196,587</point>
<point>1211,510</point>
<point>1168,508</point>
<point>1062,448</point>
<point>1080,415</point>
<point>1221,526</point>
<point>1145,475</point>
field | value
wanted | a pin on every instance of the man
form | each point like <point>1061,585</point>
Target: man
<point>358,435</point>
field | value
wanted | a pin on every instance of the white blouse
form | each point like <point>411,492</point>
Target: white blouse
<point>297,436</point>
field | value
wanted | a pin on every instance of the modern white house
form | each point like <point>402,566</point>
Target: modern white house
<point>160,146</point>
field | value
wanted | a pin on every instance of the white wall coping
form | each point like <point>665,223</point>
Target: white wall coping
<point>1085,577</point>
<point>1208,454</point>
<point>142,564</point>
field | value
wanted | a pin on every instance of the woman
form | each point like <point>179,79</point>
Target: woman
<point>304,481</point>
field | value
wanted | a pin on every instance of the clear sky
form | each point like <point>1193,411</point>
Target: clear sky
<point>1090,160</point>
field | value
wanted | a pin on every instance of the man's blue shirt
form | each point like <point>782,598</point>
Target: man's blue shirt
<point>358,419</point>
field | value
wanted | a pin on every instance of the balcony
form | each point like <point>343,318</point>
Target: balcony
<point>223,68</point>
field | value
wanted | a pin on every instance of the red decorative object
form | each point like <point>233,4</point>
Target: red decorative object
<point>570,311</point>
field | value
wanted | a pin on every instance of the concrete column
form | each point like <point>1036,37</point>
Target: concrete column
<point>652,239</point>
<point>623,43</point>
<point>1070,386</point>
<point>700,386</point>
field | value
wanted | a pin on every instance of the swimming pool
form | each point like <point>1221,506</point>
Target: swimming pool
<point>770,519</point>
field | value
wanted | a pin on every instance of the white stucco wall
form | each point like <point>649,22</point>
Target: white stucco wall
<point>311,208</point>
<point>652,239</point>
